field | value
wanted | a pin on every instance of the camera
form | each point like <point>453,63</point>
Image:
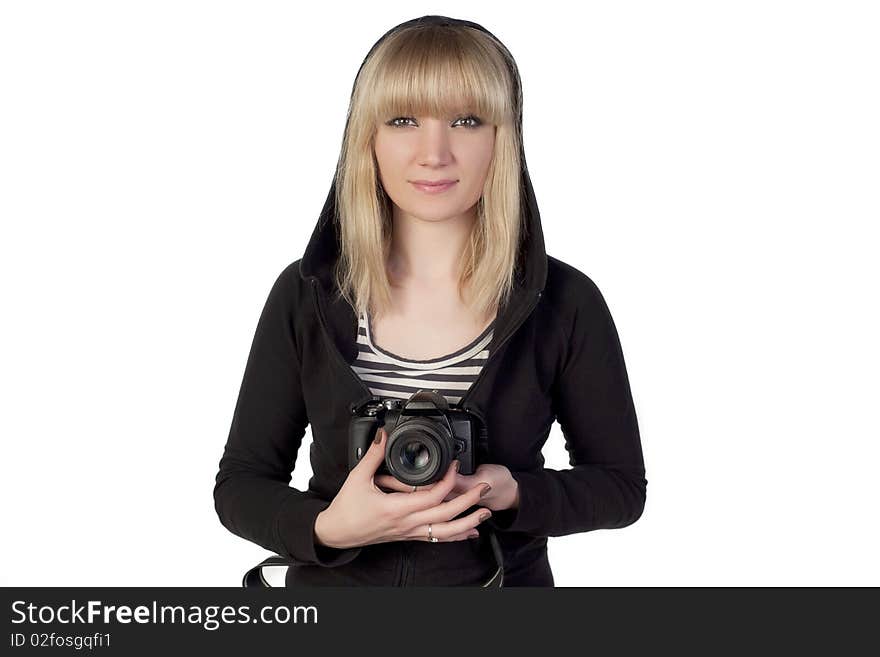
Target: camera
<point>424,436</point>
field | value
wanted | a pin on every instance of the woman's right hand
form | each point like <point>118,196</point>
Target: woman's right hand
<point>361,513</point>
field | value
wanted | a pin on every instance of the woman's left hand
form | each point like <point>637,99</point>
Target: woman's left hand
<point>504,493</point>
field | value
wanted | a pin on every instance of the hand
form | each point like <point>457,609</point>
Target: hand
<point>504,493</point>
<point>361,513</point>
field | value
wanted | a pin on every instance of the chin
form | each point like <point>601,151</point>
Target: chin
<point>431,217</point>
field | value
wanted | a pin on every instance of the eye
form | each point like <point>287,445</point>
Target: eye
<point>393,122</point>
<point>476,122</point>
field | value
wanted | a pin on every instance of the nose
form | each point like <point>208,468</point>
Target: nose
<point>434,145</point>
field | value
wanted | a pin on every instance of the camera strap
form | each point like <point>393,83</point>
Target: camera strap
<point>497,580</point>
<point>254,576</point>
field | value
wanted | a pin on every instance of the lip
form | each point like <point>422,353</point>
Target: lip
<point>433,186</point>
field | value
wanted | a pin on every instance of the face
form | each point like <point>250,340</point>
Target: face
<point>411,149</point>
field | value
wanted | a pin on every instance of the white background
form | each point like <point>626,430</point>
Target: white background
<point>712,166</point>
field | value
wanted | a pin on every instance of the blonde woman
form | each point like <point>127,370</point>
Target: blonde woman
<point>426,281</point>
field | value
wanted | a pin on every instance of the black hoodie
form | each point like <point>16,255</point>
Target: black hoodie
<point>554,355</point>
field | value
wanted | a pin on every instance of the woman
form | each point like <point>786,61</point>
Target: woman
<point>407,284</point>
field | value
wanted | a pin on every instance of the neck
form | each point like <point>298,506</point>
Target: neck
<point>428,252</point>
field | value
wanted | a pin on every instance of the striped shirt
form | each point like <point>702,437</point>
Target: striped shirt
<point>390,376</point>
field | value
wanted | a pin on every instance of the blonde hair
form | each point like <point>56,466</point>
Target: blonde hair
<point>438,71</point>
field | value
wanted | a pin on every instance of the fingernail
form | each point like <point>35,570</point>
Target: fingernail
<point>456,464</point>
<point>485,516</point>
<point>379,434</point>
<point>474,535</point>
<point>485,491</point>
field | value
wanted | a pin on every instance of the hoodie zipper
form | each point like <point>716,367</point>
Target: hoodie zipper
<point>367,393</point>
<point>463,401</point>
<point>404,569</point>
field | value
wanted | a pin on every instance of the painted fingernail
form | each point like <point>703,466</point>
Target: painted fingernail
<point>485,491</point>
<point>485,516</point>
<point>456,464</point>
<point>379,434</point>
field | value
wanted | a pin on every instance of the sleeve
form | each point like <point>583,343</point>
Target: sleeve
<point>252,495</point>
<point>605,487</point>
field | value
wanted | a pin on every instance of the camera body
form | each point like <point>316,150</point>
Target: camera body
<point>424,436</point>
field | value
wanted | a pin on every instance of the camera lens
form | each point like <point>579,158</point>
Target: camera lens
<point>415,456</point>
<point>418,452</point>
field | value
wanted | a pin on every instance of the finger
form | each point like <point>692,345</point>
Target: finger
<point>435,493</point>
<point>472,533</point>
<point>446,530</point>
<point>373,458</point>
<point>425,499</point>
<point>392,482</point>
<point>444,511</point>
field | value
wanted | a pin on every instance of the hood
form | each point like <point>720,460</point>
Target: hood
<point>324,247</point>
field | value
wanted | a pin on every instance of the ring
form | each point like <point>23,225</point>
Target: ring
<point>431,536</point>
